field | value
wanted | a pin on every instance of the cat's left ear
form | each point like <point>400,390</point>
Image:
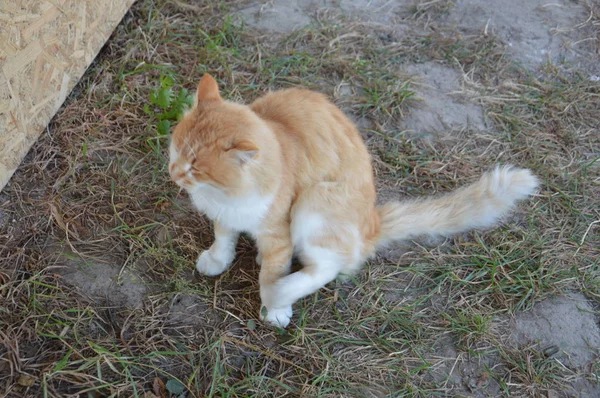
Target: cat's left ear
<point>208,89</point>
<point>244,151</point>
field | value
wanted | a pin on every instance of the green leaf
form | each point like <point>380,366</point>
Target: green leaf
<point>147,109</point>
<point>168,115</point>
<point>182,103</point>
<point>175,387</point>
<point>263,311</point>
<point>60,365</point>
<point>163,99</point>
<point>184,97</point>
<point>153,97</point>
<point>164,127</point>
<point>181,95</point>
<point>251,324</point>
<point>166,81</point>
<point>189,99</point>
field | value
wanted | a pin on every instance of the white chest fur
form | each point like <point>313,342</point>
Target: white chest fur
<point>239,214</point>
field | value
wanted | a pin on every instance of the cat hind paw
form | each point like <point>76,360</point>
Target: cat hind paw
<point>279,317</point>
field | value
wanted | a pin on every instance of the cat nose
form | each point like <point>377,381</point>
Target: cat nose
<point>182,182</point>
<point>176,175</point>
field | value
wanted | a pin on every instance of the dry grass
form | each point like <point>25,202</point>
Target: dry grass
<point>92,201</point>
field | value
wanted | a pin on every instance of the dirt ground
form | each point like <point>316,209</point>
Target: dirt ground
<point>97,247</point>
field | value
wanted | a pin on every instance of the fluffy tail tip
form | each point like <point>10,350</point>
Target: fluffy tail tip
<point>512,182</point>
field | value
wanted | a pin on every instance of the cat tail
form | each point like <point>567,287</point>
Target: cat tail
<point>478,205</point>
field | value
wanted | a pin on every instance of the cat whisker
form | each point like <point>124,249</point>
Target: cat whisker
<point>190,147</point>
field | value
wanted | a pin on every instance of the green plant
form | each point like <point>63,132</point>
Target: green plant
<point>167,105</point>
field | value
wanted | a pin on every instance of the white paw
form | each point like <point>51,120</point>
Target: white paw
<point>276,316</point>
<point>208,265</point>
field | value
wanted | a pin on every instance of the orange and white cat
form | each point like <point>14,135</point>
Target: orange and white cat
<point>292,170</point>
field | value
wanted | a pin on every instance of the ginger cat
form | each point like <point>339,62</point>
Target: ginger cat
<point>292,170</point>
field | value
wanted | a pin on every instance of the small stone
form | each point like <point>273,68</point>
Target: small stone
<point>26,380</point>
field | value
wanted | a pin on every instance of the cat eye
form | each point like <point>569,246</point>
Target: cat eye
<point>200,175</point>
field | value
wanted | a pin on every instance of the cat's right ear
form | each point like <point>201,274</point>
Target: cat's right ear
<point>208,89</point>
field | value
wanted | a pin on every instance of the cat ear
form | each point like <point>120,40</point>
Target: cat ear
<point>208,89</point>
<point>244,151</point>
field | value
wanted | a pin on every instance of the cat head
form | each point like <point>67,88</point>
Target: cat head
<point>214,144</point>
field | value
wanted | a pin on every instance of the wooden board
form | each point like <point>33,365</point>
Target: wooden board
<point>45,47</point>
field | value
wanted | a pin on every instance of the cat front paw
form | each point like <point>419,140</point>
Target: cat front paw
<point>279,317</point>
<point>208,265</point>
